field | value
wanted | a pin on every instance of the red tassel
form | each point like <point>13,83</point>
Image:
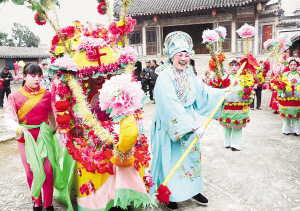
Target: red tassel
<point>163,194</point>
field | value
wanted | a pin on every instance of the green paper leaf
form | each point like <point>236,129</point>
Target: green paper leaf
<point>123,65</point>
<point>108,111</point>
<point>18,2</point>
<point>118,118</point>
<point>145,99</point>
<point>75,108</point>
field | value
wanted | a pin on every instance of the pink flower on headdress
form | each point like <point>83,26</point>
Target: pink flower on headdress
<point>268,44</point>
<point>121,95</point>
<point>285,41</point>
<point>210,36</point>
<point>128,56</point>
<point>222,32</point>
<point>67,63</point>
<point>246,31</point>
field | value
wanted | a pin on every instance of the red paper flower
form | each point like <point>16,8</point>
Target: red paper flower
<point>62,105</point>
<point>298,114</point>
<point>248,120</point>
<point>163,194</point>
<point>84,189</point>
<point>68,31</point>
<point>40,20</point>
<point>236,122</point>
<point>226,83</point>
<point>106,168</point>
<point>267,66</point>
<point>221,57</point>
<point>244,121</point>
<point>291,116</point>
<point>55,40</point>
<point>63,119</point>
<point>265,87</point>
<point>228,120</point>
<point>283,114</point>
<point>251,62</point>
<point>212,64</point>
<point>102,7</point>
<point>52,59</point>
<point>220,119</point>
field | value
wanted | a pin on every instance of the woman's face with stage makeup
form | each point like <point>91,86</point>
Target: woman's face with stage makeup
<point>293,66</point>
<point>33,80</point>
<point>181,60</point>
<point>234,67</point>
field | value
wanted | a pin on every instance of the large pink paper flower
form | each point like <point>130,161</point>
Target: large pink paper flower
<point>285,41</point>
<point>121,95</point>
<point>67,63</point>
<point>222,32</point>
<point>278,68</point>
<point>128,56</point>
<point>210,36</point>
<point>268,44</point>
<point>246,31</point>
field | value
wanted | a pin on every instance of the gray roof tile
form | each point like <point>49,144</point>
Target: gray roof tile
<point>23,52</point>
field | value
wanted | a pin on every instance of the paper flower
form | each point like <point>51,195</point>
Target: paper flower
<point>222,32</point>
<point>285,41</point>
<point>278,68</point>
<point>121,95</point>
<point>268,44</point>
<point>119,28</point>
<point>102,7</point>
<point>68,31</point>
<point>128,56</point>
<point>210,36</point>
<point>66,63</point>
<point>16,78</point>
<point>39,19</point>
<point>246,31</point>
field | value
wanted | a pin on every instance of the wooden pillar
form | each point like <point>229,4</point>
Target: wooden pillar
<point>144,34</point>
<point>158,41</point>
<point>298,48</point>
<point>233,33</point>
<point>15,67</point>
<point>256,36</point>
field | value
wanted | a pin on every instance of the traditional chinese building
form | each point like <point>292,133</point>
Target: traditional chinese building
<point>10,55</point>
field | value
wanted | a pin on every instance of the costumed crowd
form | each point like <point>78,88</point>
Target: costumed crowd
<point>87,128</point>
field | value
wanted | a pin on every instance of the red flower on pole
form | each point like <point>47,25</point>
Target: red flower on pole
<point>39,19</point>
<point>163,194</point>
<point>102,7</point>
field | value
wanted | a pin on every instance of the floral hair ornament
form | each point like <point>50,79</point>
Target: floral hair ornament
<point>233,60</point>
<point>176,42</point>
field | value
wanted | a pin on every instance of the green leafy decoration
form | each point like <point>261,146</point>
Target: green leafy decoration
<point>18,2</point>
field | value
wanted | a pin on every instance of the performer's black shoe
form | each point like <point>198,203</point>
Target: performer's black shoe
<point>38,208</point>
<point>275,112</point>
<point>296,134</point>
<point>172,206</point>
<point>200,199</point>
<point>116,209</point>
<point>50,208</point>
<point>234,149</point>
<point>228,147</point>
<point>286,134</point>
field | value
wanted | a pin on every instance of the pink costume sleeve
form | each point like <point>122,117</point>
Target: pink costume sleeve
<point>11,121</point>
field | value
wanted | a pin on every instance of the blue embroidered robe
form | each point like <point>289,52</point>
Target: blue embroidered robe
<point>177,95</point>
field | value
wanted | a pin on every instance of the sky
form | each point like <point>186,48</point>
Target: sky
<point>70,10</point>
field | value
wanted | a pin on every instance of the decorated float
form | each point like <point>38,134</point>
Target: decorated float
<point>99,108</point>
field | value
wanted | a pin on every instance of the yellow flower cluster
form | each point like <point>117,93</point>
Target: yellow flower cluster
<point>88,116</point>
<point>246,80</point>
<point>288,98</point>
<point>238,104</point>
<point>260,78</point>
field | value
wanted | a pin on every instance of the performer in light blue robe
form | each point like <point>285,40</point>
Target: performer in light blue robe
<point>178,93</point>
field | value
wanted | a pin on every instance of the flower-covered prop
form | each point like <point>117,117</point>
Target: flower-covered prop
<point>247,82</point>
<point>220,83</point>
<point>285,42</point>
<point>222,33</point>
<point>39,19</point>
<point>129,55</point>
<point>261,73</point>
<point>210,36</point>
<point>121,96</point>
<point>118,28</point>
<point>246,31</point>
<point>268,44</point>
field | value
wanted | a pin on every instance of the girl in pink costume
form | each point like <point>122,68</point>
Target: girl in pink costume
<point>28,107</point>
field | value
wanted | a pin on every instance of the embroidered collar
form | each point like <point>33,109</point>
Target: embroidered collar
<point>294,73</point>
<point>28,89</point>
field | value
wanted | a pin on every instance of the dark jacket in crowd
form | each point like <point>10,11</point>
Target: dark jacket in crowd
<point>153,75</point>
<point>146,72</point>
<point>6,83</point>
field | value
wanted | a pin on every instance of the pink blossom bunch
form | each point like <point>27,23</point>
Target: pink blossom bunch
<point>278,68</point>
<point>121,95</point>
<point>246,31</point>
<point>222,32</point>
<point>68,31</point>
<point>66,63</point>
<point>116,28</point>
<point>103,70</point>
<point>210,36</point>
<point>268,44</point>
<point>129,55</point>
<point>294,80</point>
<point>90,42</point>
<point>285,41</point>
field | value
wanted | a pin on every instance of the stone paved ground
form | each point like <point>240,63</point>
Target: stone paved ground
<point>265,175</point>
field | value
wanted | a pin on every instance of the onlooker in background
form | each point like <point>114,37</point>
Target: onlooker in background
<point>207,78</point>
<point>153,77</point>
<point>146,73</point>
<point>5,78</point>
<point>160,63</point>
<point>46,77</point>
<point>192,63</point>
<point>144,83</point>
